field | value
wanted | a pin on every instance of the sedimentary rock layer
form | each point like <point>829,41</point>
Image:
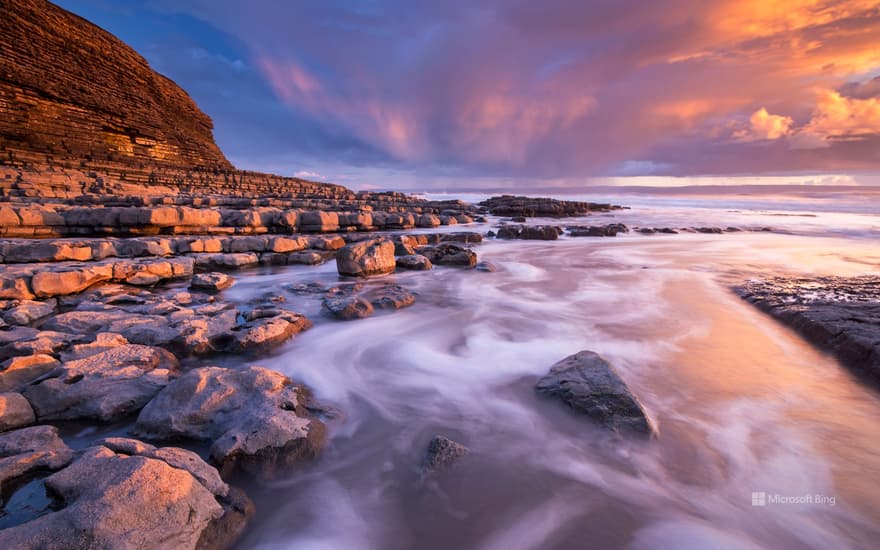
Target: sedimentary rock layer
<point>71,90</point>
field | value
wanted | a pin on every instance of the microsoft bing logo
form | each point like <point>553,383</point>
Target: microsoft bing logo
<point>759,498</point>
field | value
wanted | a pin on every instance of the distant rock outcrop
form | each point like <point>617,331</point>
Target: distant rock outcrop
<point>839,314</point>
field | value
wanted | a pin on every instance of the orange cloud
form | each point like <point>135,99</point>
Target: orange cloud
<point>763,125</point>
<point>839,118</point>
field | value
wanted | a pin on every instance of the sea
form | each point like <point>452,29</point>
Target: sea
<point>764,440</point>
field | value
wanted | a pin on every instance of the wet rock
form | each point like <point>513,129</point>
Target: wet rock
<point>266,333</point>
<point>309,257</point>
<point>15,412</point>
<point>714,230</point>
<point>366,258</point>
<point>590,385</point>
<point>487,267</point>
<point>839,314</point>
<point>441,454</point>
<point>347,307</point>
<point>450,255</point>
<point>389,296</point>
<point>28,311</point>
<point>27,452</point>
<point>461,237</point>
<point>254,417</point>
<point>20,371</point>
<point>403,249</point>
<point>118,500</point>
<point>529,232</point>
<point>610,230</point>
<point>105,386</point>
<point>415,262</point>
<point>211,282</point>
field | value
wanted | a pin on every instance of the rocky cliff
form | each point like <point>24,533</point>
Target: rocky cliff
<point>71,92</point>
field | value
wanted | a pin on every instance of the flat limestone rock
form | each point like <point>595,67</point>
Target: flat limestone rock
<point>26,452</point>
<point>590,385</point>
<point>212,282</point>
<point>255,417</point>
<point>105,386</point>
<point>122,500</point>
<point>20,371</point>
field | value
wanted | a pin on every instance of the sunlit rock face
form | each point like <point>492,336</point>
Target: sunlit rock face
<point>70,90</point>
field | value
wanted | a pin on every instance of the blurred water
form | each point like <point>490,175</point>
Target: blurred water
<point>743,404</point>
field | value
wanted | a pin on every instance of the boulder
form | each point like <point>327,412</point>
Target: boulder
<point>128,499</point>
<point>449,254</point>
<point>590,385</point>
<point>366,258</point>
<point>211,282</point>
<point>105,386</point>
<point>265,333</point>
<point>415,262</point>
<point>389,296</point>
<point>347,307</point>
<point>255,418</point>
<point>25,453</point>
<point>15,412</point>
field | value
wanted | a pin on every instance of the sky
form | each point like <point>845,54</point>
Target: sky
<point>516,93</point>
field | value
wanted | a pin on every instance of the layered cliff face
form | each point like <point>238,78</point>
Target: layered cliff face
<point>72,94</point>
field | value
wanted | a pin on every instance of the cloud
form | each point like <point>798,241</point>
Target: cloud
<point>840,118</point>
<point>525,91</point>
<point>763,125</point>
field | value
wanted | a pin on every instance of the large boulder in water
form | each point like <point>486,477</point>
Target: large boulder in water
<point>590,385</point>
<point>254,417</point>
<point>366,258</point>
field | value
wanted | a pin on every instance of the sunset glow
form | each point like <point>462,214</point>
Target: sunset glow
<point>533,92</point>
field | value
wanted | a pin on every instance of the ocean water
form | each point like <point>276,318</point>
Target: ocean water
<point>745,407</point>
